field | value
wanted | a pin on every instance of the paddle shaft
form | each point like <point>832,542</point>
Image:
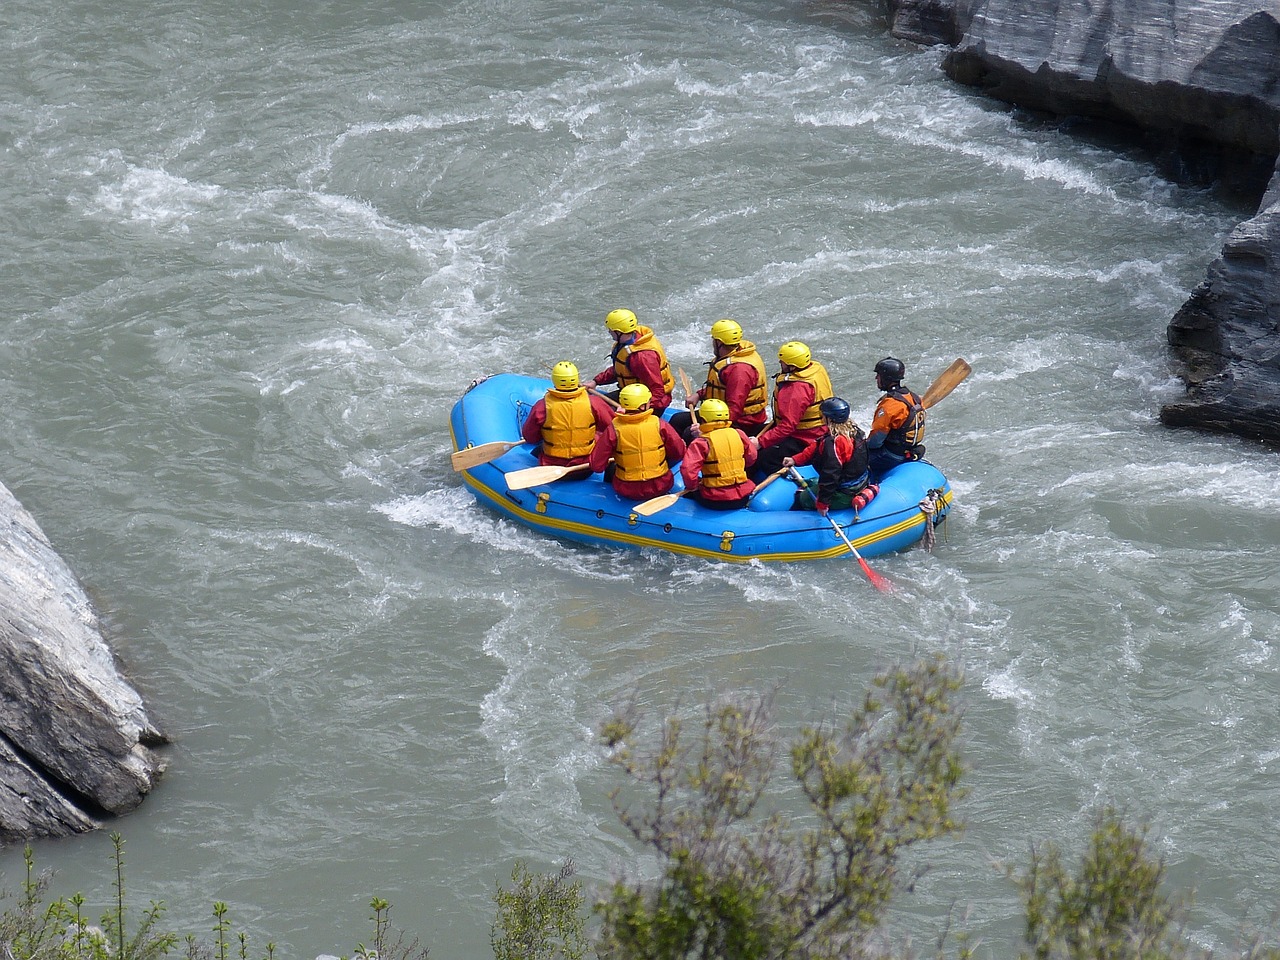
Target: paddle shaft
<point>650,507</point>
<point>877,581</point>
<point>688,387</point>
<point>606,398</point>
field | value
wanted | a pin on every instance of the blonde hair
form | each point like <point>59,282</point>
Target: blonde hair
<point>847,429</point>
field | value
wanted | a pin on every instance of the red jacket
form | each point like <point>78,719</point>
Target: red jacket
<point>607,443</point>
<point>532,429</point>
<point>691,467</point>
<point>647,367</point>
<point>739,380</point>
<point>793,399</point>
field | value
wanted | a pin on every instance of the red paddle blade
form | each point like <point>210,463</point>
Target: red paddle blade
<point>881,583</point>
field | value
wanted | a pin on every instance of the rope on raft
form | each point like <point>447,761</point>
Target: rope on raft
<point>929,506</point>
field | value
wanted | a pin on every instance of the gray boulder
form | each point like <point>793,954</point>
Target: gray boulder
<point>1201,80</point>
<point>1190,71</point>
<point>1228,335</point>
<point>75,741</point>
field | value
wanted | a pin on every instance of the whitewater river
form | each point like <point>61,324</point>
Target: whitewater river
<point>250,254</point>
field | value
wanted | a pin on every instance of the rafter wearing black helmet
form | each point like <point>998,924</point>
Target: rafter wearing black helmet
<point>897,427</point>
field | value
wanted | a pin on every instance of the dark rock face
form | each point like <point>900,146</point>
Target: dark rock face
<point>1199,78</point>
<point>1193,71</point>
<point>1228,335</point>
<point>75,740</point>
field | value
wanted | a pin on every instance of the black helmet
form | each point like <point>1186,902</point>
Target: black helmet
<point>890,370</point>
<point>834,409</point>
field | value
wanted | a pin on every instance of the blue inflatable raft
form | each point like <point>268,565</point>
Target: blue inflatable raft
<point>588,511</point>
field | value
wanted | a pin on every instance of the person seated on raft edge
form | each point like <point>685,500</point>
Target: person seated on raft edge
<point>642,445</point>
<point>721,455</point>
<point>800,387</point>
<point>637,357</point>
<point>735,375</point>
<point>564,423</point>
<point>840,455</point>
<point>897,426</point>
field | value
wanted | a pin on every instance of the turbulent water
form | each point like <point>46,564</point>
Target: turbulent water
<point>252,253</point>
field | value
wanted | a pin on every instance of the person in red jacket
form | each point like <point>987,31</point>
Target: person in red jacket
<point>735,375</point>
<point>641,444</point>
<point>637,357</point>
<point>799,388</point>
<point>565,422</point>
<point>715,464</point>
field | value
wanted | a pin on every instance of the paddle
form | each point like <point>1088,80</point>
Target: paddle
<point>688,387</point>
<point>606,398</point>
<point>469,457</point>
<point>533,476</point>
<point>947,381</point>
<point>879,582</point>
<point>650,507</point>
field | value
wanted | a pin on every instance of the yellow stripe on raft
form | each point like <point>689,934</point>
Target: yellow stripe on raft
<point>538,520</point>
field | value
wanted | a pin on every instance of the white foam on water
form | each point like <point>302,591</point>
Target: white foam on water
<point>530,718</point>
<point>149,195</point>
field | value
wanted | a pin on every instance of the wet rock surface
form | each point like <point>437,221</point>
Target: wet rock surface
<point>76,744</point>
<point>1200,80</point>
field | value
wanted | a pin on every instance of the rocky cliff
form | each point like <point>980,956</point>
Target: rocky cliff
<point>76,744</point>
<point>1202,79</point>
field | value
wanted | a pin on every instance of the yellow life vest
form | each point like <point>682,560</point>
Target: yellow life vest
<point>641,453</point>
<point>745,353</point>
<point>645,340</point>
<point>725,463</point>
<point>570,428</point>
<point>815,374</point>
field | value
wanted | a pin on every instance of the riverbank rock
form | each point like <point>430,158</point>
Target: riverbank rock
<point>76,744</point>
<point>1228,334</point>
<point>1202,82</point>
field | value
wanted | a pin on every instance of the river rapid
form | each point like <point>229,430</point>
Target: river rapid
<point>251,254</point>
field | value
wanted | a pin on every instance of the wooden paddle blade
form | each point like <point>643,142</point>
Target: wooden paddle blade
<point>469,457</point>
<point>534,476</point>
<point>950,378</point>
<point>650,507</point>
<point>684,382</point>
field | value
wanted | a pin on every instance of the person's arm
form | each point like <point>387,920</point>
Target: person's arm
<point>749,450</point>
<point>531,432</point>
<point>889,413</point>
<point>602,411</point>
<point>792,401</point>
<point>607,375</point>
<point>606,443</point>
<point>691,466</point>
<point>672,441</point>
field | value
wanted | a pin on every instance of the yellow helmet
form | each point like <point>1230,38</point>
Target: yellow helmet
<point>634,396</point>
<point>564,376</point>
<point>621,321</point>
<point>795,354</point>
<point>713,411</point>
<point>728,332</point>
